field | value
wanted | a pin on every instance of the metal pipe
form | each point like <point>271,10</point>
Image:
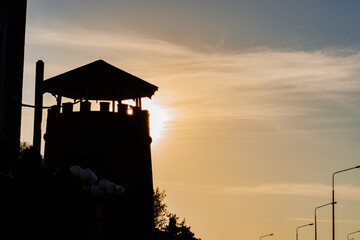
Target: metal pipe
<point>333,198</point>
<point>39,78</point>
<point>315,216</point>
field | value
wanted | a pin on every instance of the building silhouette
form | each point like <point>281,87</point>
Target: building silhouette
<point>113,140</point>
<point>12,43</point>
<point>114,144</point>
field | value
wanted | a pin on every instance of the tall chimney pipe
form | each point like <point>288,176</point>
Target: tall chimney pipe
<point>39,78</point>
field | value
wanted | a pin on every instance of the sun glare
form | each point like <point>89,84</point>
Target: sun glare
<point>158,118</point>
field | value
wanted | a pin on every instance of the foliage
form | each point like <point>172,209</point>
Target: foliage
<point>185,231</point>
<point>30,169</point>
<point>24,146</point>
<point>28,153</point>
<point>179,231</point>
<point>160,209</point>
<point>172,227</point>
<point>168,222</point>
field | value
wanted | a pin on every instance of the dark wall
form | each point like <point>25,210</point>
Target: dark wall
<point>12,43</point>
<point>115,146</point>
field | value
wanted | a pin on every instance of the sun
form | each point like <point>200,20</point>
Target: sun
<point>158,119</point>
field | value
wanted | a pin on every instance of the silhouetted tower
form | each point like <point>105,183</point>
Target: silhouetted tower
<point>114,144</point>
<point>12,43</point>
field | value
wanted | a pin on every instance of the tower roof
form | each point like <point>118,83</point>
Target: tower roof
<point>98,80</point>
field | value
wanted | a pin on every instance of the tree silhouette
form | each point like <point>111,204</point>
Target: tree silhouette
<point>172,228</point>
<point>185,231</point>
<point>160,209</point>
<point>31,184</point>
<point>168,222</point>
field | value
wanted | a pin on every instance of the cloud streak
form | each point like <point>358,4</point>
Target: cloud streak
<point>307,91</point>
<point>348,192</point>
<point>345,192</point>
<point>323,220</point>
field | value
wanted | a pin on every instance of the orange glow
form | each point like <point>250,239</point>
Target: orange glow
<point>159,116</point>
<point>129,111</point>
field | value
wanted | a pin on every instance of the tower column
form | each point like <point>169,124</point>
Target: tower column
<point>39,77</point>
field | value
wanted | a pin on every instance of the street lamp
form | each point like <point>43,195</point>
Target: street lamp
<point>266,235</point>
<point>89,178</point>
<point>297,234</point>
<point>333,199</point>
<point>315,216</point>
<point>351,233</point>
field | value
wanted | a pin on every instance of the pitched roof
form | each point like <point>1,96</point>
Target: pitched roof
<point>98,81</point>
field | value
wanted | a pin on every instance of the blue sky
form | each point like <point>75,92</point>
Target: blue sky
<point>303,25</point>
<point>259,101</point>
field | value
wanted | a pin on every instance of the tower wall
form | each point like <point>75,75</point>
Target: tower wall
<point>12,43</point>
<point>116,146</point>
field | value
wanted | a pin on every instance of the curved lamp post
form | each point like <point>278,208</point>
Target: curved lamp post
<point>333,198</point>
<point>315,216</point>
<point>266,235</point>
<point>351,233</point>
<point>297,234</point>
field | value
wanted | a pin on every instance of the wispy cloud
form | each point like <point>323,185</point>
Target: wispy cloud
<point>210,84</point>
<point>315,190</point>
<point>348,192</point>
<point>322,220</point>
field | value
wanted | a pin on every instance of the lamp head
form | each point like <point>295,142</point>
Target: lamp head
<point>75,170</point>
<point>88,176</point>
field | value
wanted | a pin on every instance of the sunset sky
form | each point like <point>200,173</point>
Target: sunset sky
<point>258,103</point>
